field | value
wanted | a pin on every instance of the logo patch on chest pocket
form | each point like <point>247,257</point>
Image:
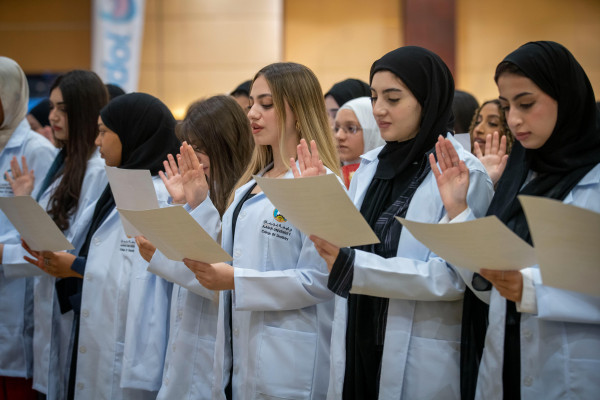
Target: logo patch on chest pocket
<point>278,217</point>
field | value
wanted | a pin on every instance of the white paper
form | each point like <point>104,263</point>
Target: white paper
<point>481,243</point>
<point>176,234</point>
<point>133,190</point>
<point>33,223</point>
<point>567,243</point>
<point>319,206</point>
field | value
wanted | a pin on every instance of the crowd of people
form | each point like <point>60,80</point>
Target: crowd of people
<point>294,316</point>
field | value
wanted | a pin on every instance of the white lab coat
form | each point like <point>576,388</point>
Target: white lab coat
<point>112,263</point>
<point>188,367</point>
<point>16,300</point>
<point>52,330</point>
<point>282,309</point>
<point>422,340</point>
<point>560,343</point>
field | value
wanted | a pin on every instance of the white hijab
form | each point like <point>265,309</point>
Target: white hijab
<point>14,94</point>
<point>362,108</point>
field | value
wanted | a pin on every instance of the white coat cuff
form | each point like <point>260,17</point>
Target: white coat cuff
<point>528,303</point>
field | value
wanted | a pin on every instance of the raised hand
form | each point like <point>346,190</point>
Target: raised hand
<point>145,247</point>
<point>22,180</point>
<point>309,161</point>
<point>495,157</point>
<point>452,178</point>
<point>172,180</point>
<point>57,264</point>
<point>195,185</point>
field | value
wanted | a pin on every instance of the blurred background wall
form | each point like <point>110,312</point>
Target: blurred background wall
<point>196,48</point>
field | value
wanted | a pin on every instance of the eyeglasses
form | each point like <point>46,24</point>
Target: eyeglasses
<point>350,129</point>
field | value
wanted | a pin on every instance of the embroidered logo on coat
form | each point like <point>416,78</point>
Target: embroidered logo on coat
<point>278,217</point>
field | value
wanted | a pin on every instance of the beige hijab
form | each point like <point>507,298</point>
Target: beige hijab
<point>14,95</point>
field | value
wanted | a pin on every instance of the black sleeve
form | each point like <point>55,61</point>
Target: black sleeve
<point>342,273</point>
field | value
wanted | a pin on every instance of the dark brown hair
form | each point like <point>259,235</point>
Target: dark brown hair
<point>84,95</point>
<point>219,128</point>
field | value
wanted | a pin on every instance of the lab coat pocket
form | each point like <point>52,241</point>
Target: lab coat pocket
<point>432,370</point>
<point>286,364</point>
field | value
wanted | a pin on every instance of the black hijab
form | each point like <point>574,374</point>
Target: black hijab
<point>572,150</point>
<point>347,90</point>
<point>430,81</point>
<point>146,129</point>
<point>401,169</point>
<point>41,112</point>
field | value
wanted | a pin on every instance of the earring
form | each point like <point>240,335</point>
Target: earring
<point>298,126</point>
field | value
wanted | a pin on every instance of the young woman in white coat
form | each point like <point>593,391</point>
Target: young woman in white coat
<point>275,310</point>
<point>220,146</point>
<point>69,193</point>
<point>17,140</point>
<point>396,332</point>
<point>542,342</point>
<point>136,132</point>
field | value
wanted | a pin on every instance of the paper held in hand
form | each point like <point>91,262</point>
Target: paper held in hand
<point>481,243</point>
<point>133,190</point>
<point>319,205</point>
<point>34,224</point>
<point>176,234</point>
<point>567,243</point>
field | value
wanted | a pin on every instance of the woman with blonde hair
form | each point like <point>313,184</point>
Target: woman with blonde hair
<point>275,309</point>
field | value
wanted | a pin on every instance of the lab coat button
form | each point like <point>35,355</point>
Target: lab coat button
<point>85,313</point>
<point>528,381</point>
<point>82,349</point>
<point>236,332</point>
<point>166,381</point>
<point>242,214</point>
<point>80,386</point>
<point>237,253</point>
<point>96,241</point>
<point>527,334</point>
<point>88,277</point>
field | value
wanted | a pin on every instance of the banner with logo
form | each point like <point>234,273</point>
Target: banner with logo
<point>117,29</point>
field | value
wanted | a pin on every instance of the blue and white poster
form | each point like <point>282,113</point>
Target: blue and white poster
<point>117,29</point>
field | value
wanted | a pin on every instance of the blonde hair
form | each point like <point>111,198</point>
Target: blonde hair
<point>297,86</point>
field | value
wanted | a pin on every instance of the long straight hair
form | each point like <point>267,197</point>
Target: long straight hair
<point>219,128</point>
<point>84,95</point>
<point>297,86</point>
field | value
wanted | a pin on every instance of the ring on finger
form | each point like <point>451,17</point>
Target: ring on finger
<point>46,261</point>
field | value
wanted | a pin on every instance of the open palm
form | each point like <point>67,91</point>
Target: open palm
<point>452,177</point>
<point>172,180</point>
<point>195,185</point>
<point>21,180</point>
